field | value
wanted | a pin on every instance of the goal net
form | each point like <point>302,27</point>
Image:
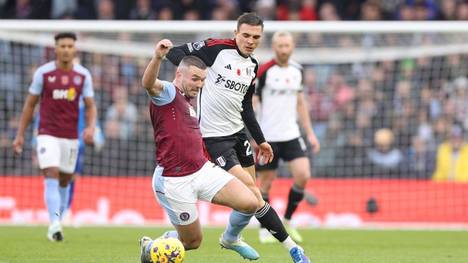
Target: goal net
<point>388,102</point>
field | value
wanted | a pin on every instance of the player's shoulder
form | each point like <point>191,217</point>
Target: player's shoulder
<point>223,43</point>
<point>47,67</point>
<point>295,64</point>
<point>266,66</point>
<point>81,69</point>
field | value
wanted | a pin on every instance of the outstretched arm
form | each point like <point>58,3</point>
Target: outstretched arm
<point>150,78</point>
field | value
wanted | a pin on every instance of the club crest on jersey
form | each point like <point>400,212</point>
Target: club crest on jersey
<point>250,72</point>
<point>64,80</point>
<point>192,112</point>
<point>51,79</point>
<point>221,161</point>
<point>77,80</point>
<point>184,216</point>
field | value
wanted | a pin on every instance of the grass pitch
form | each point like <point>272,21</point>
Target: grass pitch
<point>103,245</point>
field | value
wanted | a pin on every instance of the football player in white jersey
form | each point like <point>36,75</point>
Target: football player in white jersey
<point>280,103</point>
<point>225,110</point>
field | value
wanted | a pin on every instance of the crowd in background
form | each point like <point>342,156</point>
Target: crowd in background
<point>230,9</point>
<point>404,118</point>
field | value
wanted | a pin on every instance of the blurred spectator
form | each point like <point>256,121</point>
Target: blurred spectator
<point>406,12</point>
<point>142,11</point>
<point>448,9</point>
<point>328,12</point>
<point>462,11</point>
<point>460,100</point>
<point>370,10</point>
<point>420,160</point>
<point>121,117</point>
<point>266,9</point>
<point>188,9</point>
<point>165,13</point>
<point>63,8</point>
<point>297,10</point>
<point>23,9</point>
<point>224,10</point>
<point>308,10</point>
<point>351,159</point>
<point>386,160</point>
<point>327,162</point>
<point>452,158</point>
<point>86,9</point>
<point>105,10</point>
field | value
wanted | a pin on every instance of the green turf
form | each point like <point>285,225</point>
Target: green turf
<point>88,244</point>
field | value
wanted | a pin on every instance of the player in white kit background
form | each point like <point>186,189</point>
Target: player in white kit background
<point>280,103</point>
<point>58,86</point>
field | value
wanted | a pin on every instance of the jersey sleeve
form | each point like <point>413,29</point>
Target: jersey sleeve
<point>37,83</point>
<point>88,90</point>
<point>199,49</point>
<point>166,96</point>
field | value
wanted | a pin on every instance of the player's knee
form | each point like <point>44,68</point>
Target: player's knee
<point>265,186</point>
<point>301,178</point>
<point>259,202</point>
<point>192,243</point>
<point>250,206</point>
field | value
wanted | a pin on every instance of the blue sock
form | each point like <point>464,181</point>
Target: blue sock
<point>64,196</point>
<point>237,222</point>
<point>171,233</point>
<point>52,198</point>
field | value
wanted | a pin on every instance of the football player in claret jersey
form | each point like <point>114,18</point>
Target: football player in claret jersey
<point>225,110</point>
<point>183,173</point>
<point>58,85</point>
<point>279,92</point>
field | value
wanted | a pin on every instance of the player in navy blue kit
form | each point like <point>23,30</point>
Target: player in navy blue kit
<point>225,111</point>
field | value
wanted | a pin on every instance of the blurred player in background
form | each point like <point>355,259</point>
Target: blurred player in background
<point>98,143</point>
<point>183,173</point>
<point>281,101</point>
<point>225,110</point>
<point>59,85</point>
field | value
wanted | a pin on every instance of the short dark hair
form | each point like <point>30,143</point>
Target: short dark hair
<point>61,35</point>
<point>192,61</point>
<point>250,19</point>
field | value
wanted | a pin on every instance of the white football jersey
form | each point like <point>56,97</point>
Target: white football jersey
<point>278,88</point>
<point>229,83</point>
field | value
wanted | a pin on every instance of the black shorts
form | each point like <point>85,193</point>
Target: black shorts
<point>287,151</point>
<point>231,150</point>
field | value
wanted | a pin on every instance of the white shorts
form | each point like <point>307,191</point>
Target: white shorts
<point>179,195</point>
<point>57,152</point>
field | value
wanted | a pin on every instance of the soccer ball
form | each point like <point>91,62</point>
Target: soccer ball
<point>167,250</point>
